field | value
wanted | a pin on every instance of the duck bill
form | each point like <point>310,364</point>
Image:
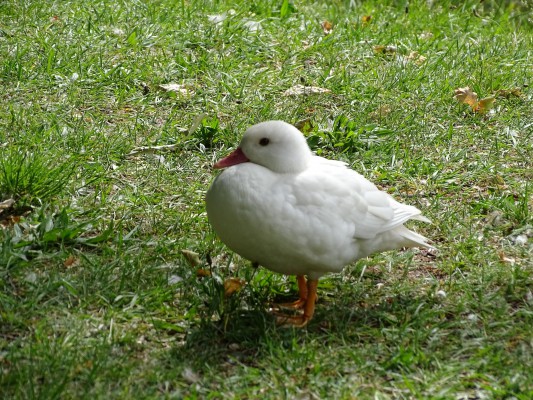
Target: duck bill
<point>236,157</point>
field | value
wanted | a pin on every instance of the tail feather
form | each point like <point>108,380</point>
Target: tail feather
<point>420,217</point>
<point>415,238</point>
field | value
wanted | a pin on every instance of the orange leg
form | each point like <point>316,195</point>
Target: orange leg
<point>302,290</point>
<point>299,321</point>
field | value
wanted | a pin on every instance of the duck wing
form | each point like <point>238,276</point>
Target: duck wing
<point>352,197</point>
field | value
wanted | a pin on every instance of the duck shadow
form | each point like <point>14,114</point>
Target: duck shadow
<point>236,338</point>
<point>247,336</point>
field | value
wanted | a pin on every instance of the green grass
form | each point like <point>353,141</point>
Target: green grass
<point>96,297</point>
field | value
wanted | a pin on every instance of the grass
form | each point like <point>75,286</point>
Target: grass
<point>97,299</point>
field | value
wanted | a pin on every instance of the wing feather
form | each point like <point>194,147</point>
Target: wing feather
<point>370,210</point>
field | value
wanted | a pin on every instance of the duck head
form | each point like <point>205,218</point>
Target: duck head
<point>275,145</point>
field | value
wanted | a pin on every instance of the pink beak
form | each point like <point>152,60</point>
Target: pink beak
<point>236,157</point>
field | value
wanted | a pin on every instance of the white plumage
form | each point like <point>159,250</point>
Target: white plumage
<point>295,213</point>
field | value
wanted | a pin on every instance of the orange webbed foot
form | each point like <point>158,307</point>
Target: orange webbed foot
<point>306,304</point>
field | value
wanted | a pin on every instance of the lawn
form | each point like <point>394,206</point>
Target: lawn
<point>113,113</point>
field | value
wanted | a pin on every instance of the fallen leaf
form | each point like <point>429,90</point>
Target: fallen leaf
<point>192,258</point>
<point>484,105</point>
<point>10,220</point>
<point>6,204</point>
<point>327,27</point>
<point>176,88</point>
<point>71,261</point>
<point>385,50</point>
<point>232,285</point>
<point>415,57</point>
<point>517,92</point>
<point>366,19</point>
<point>305,90</point>
<point>506,259</point>
<point>202,273</point>
<point>466,96</point>
<point>305,125</point>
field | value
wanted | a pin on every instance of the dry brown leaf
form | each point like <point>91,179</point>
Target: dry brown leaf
<point>232,285</point>
<point>192,258</point>
<point>10,220</point>
<point>504,258</point>
<point>385,50</point>
<point>202,273</point>
<point>71,261</point>
<point>484,105</point>
<point>517,92</point>
<point>366,19</point>
<point>299,90</point>
<point>466,96</point>
<point>327,27</point>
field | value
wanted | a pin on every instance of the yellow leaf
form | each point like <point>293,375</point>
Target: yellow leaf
<point>366,19</point>
<point>232,285</point>
<point>466,96</point>
<point>386,50</point>
<point>484,105</point>
<point>304,125</point>
<point>327,27</point>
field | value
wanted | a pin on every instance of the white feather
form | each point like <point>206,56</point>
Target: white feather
<point>296,213</point>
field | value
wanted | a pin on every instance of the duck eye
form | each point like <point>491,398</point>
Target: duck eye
<point>264,141</point>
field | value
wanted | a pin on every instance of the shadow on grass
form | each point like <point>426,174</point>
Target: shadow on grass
<point>235,338</point>
<point>248,337</point>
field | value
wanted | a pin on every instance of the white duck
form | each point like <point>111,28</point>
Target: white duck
<point>278,205</point>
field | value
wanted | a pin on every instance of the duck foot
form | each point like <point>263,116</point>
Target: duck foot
<point>307,305</point>
<point>295,305</point>
<point>291,321</point>
<point>302,292</point>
